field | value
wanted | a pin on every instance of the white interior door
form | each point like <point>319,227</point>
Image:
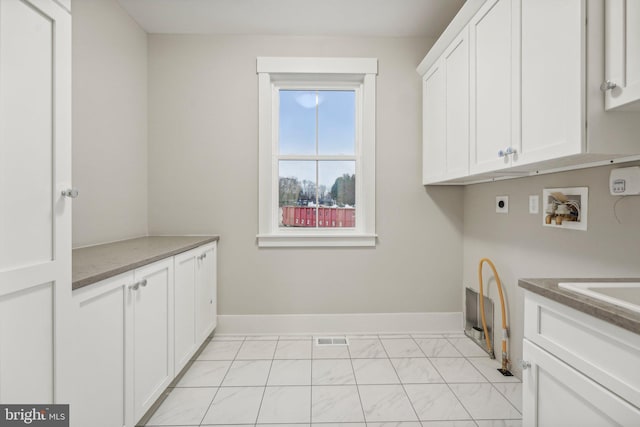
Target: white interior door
<point>35,219</point>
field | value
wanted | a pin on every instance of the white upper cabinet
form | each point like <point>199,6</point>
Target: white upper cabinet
<point>622,54</point>
<point>433,125</point>
<point>446,114</point>
<point>456,69</point>
<point>553,79</point>
<point>535,71</point>
<point>493,110</point>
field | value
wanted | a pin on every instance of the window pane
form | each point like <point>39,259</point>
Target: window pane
<point>337,194</point>
<point>297,129</point>
<point>297,188</point>
<point>336,122</point>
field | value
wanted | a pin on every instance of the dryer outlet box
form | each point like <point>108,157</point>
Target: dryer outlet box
<point>502,204</point>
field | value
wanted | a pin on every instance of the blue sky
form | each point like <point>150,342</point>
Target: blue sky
<point>335,128</point>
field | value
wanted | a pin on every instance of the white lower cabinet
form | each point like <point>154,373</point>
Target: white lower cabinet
<point>133,333</point>
<point>206,290</point>
<point>555,394</point>
<point>184,302</point>
<point>194,301</point>
<point>99,340</point>
<point>577,370</point>
<point>149,349</point>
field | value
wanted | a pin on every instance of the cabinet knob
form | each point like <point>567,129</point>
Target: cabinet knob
<point>501,153</point>
<point>135,286</point>
<point>71,193</point>
<point>608,85</point>
<point>525,365</point>
<point>143,283</point>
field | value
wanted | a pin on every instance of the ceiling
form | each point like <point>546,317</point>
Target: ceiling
<point>391,18</point>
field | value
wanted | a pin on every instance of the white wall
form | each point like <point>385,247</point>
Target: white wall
<point>203,156</point>
<point>109,123</point>
<point>522,248</point>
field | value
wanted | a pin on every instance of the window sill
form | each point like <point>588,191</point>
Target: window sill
<point>324,240</point>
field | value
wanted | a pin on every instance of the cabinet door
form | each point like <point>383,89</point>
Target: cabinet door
<point>206,287</point>
<point>99,353</point>
<point>492,86</point>
<point>35,219</point>
<point>622,53</point>
<point>185,310</point>
<point>553,79</point>
<point>152,334</point>
<point>433,123</point>
<point>455,61</point>
<point>555,394</point>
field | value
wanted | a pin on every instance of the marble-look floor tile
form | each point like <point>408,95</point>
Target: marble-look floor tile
<point>184,406</point>
<point>332,372</point>
<point>394,336</point>
<point>448,424</point>
<point>286,405</point>
<point>247,373</point>
<point>230,425</point>
<point>335,404</point>
<point>416,371</point>
<point>262,338</point>
<point>499,423</point>
<point>349,424</point>
<point>290,372</point>
<point>437,347</point>
<point>205,373</point>
<point>228,338</point>
<point>257,350</point>
<point>402,348</point>
<point>489,368</point>
<point>280,425</point>
<point>366,349</point>
<point>386,403</point>
<point>457,370</point>
<point>436,402</point>
<point>428,335</point>
<point>293,349</point>
<point>483,401</point>
<point>330,351</point>
<point>362,337</point>
<point>220,350</point>
<point>374,371</point>
<point>296,337</point>
<point>235,405</point>
<point>467,347</point>
<point>513,393</point>
<point>396,424</point>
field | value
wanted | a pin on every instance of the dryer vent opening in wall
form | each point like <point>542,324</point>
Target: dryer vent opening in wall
<point>331,341</point>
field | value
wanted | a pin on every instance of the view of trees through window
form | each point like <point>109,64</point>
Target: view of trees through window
<point>317,162</point>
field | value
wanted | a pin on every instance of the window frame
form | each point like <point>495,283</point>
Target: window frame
<point>356,74</point>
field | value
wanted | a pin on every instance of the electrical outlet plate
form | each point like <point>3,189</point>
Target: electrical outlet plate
<point>534,204</point>
<point>579,195</point>
<point>502,204</point>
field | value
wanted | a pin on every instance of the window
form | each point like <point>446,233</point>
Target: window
<point>316,151</point>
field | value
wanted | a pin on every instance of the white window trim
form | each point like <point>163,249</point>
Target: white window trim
<point>276,73</point>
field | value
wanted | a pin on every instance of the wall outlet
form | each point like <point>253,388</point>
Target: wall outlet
<point>502,204</point>
<point>534,204</point>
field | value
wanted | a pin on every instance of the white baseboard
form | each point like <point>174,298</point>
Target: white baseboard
<point>340,323</point>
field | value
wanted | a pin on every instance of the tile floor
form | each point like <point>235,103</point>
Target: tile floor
<point>426,380</point>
